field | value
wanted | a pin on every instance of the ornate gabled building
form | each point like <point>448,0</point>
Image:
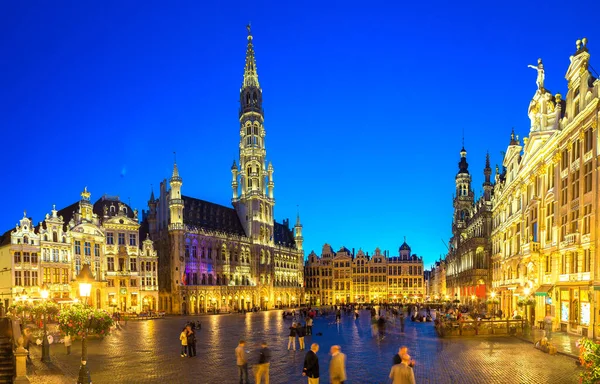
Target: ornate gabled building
<point>468,260</point>
<point>545,205</point>
<point>105,235</point>
<point>345,277</point>
<point>216,258</point>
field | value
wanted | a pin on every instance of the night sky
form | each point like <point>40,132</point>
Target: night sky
<point>365,103</point>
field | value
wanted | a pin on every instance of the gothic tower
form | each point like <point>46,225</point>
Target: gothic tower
<point>487,184</point>
<point>463,200</point>
<point>176,237</point>
<point>254,200</point>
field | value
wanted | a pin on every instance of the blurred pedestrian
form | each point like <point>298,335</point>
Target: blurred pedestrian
<point>402,321</point>
<point>311,365</point>
<point>402,373</point>
<point>264,361</point>
<point>309,325</point>
<point>337,366</point>
<point>183,338</point>
<point>381,327</point>
<point>68,344</point>
<point>301,331</point>
<point>191,341</point>
<point>242,362</point>
<point>292,337</point>
<point>398,357</point>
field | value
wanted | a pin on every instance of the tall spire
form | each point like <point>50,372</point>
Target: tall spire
<point>250,73</point>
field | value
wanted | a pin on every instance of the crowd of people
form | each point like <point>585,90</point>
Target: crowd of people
<point>302,325</point>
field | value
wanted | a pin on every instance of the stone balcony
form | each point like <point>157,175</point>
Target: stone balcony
<point>570,239</point>
<point>531,247</point>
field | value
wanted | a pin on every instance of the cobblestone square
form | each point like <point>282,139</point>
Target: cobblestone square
<point>148,352</point>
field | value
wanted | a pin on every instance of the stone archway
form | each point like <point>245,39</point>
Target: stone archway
<point>148,303</point>
<point>193,305</point>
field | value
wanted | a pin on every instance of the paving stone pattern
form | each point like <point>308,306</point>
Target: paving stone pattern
<point>148,352</point>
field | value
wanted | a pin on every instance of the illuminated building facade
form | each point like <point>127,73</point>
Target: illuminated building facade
<point>468,260</point>
<point>544,206</point>
<point>105,235</point>
<point>217,258</point>
<point>345,277</point>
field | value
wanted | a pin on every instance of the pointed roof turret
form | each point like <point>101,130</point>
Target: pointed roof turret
<point>487,171</point>
<point>514,140</point>
<point>463,166</point>
<point>175,171</point>
<point>151,192</point>
<point>250,73</point>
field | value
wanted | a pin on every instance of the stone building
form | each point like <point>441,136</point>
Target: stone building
<point>105,235</point>
<point>217,258</point>
<point>545,204</point>
<point>345,277</point>
<point>468,260</point>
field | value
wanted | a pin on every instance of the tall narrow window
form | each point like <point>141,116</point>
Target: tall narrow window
<point>549,220</point>
<point>588,140</point>
<point>587,215</point>
<point>587,260</point>
<point>587,180</point>
<point>77,247</point>
<point>87,247</point>
<point>575,185</point>
<point>564,184</point>
<point>551,176</point>
<point>574,221</point>
<point>110,238</point>
<point>121,239</point>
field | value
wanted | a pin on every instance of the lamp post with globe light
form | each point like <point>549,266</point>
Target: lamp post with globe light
<point>85,279</point>
<point>45,342</point>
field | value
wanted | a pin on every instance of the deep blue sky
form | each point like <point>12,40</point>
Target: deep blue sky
<point>365,103</point>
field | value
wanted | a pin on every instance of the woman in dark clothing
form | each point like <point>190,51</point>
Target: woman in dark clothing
<point>191,341</point>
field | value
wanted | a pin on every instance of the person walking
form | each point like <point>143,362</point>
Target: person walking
<point>264,361</point>
<point>309,325</point>
<point>402,322</point>
<point>398,357</point>
<point>301,332</point>
<point>242,363</point>
<point>292,337</point>
<point>311,365</point>
<point>68,344</point>
<point>402,373</point>
<point>191,341</point>
<point>183,338</point>
<point>337,366</point>
<point>548,325</point>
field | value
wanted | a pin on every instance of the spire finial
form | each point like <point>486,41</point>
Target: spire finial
<point>250,73</point>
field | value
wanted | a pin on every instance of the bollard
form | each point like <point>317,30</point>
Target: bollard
<point>21,359</point>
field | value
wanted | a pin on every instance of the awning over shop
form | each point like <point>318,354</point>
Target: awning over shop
<point>543,290</point>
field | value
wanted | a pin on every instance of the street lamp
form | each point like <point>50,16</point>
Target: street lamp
<point>45,343</point>
<point>84,279</point>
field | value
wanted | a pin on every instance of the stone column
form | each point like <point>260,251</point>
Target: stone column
<point>21,363</point>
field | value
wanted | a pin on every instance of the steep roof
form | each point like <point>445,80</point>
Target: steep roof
<point>283,235</point>
<point>203,214</point>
